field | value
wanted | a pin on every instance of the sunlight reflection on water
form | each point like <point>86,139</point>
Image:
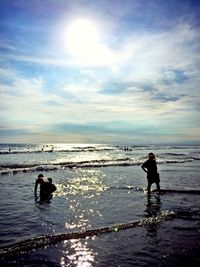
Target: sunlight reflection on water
<point>77,254</point>
<point>85,182</point>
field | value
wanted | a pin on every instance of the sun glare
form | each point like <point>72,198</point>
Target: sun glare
<point>84,43</point>
<point>82,39</point>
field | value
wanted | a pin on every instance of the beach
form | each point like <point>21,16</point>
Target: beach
<point>100,214</point>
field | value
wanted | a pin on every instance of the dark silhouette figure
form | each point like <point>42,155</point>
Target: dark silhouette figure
<point>46,188</point>
<point>49,189</point>
<point>150,167</point>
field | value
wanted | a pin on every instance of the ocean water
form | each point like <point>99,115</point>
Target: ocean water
<point>100,214</point>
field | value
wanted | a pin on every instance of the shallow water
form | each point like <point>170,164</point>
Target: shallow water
<point>92,198</point>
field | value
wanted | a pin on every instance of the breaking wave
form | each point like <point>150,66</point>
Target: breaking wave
<point>16,168</point>
<point>51,149</point>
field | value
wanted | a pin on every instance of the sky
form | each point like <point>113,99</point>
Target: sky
<point>99,71</point>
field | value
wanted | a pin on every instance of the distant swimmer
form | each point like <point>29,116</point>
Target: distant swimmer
<point>150,167</point>
<point>46,187</point>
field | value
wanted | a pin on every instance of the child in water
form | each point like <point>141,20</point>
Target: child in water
<point>46,187</point>
<point>150,167</point>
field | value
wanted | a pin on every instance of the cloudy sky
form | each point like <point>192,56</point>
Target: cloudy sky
<point>99,71</point>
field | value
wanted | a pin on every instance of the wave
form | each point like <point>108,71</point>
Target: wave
<point>68,164</point>
<point>178,156</point>
<point>163,191</point>
<point>173,154</point>
<point>177,191</point>
<point>188,214</point>
<point>124,162</point>
<point>42,241</point>
<point>135,188</point>
<point>67,148</point>
<point>160,147</point>
<point>16,168</point>
<point>52,149</point>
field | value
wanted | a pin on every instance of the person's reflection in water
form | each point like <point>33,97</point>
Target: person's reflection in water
<point>153,208</point>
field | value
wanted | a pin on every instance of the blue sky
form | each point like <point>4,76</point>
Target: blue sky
<point>103,71</point>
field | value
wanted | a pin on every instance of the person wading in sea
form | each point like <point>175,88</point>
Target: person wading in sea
<point>46,187</point>
<point>150,167</point>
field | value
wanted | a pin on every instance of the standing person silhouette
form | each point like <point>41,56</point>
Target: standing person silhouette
<point>150,167</point>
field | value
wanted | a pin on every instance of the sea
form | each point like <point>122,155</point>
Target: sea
<point>100,215</point>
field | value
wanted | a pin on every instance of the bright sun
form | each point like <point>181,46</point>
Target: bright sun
<point>83,40</point>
